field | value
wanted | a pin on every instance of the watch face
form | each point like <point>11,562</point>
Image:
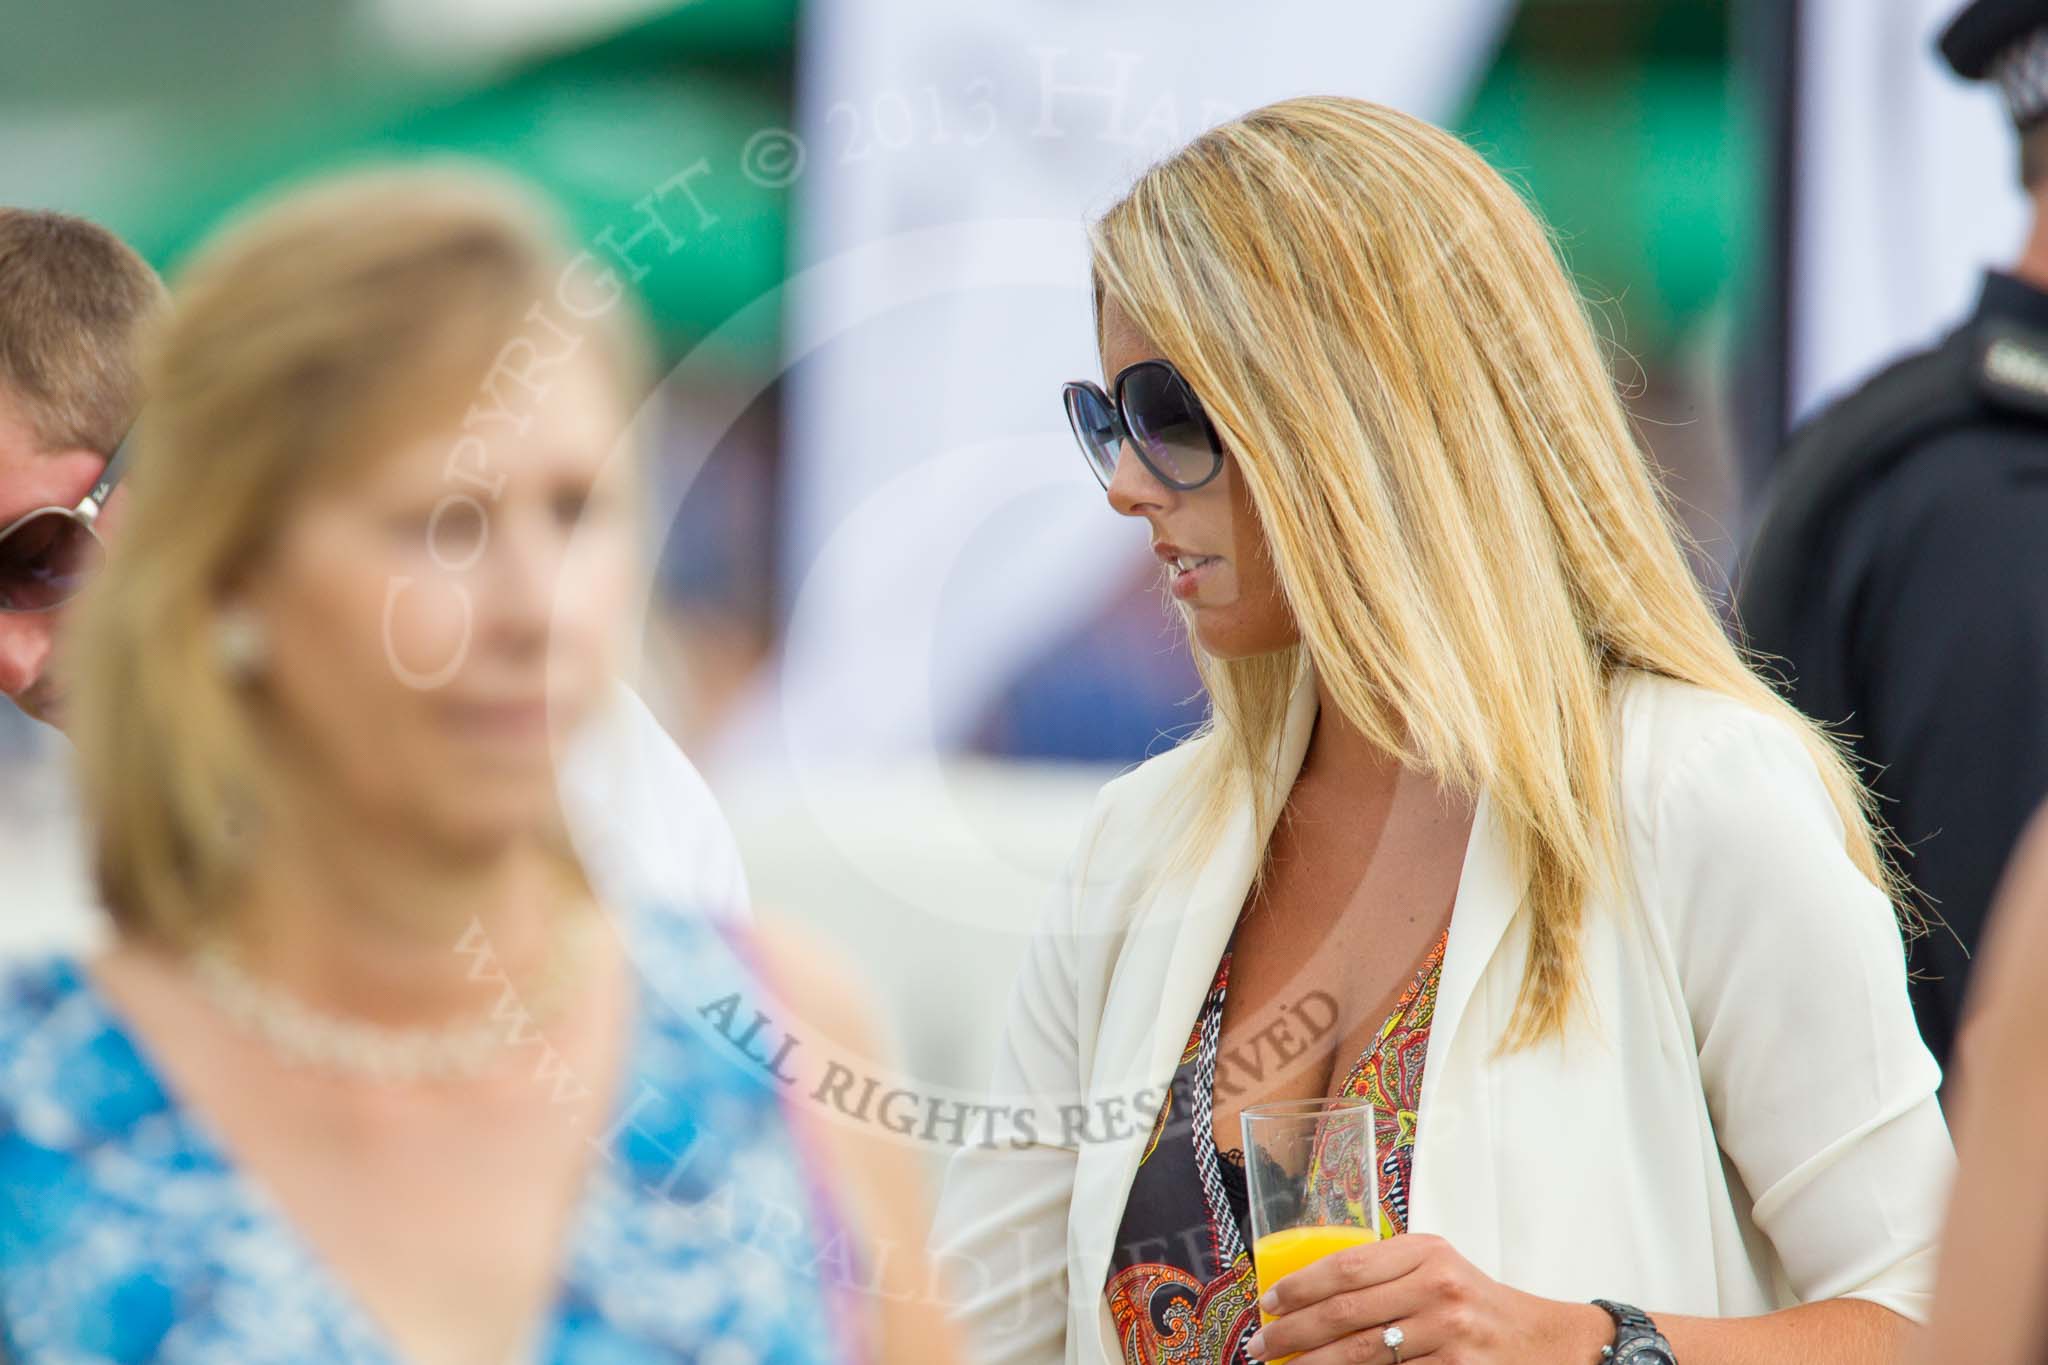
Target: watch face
<point>1644,1352</point>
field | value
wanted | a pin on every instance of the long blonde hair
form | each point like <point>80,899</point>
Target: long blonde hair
<point>1471,543</point>
<point>303,343</point>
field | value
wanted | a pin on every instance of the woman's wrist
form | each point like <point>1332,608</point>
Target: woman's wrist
<point>1575,1332</point>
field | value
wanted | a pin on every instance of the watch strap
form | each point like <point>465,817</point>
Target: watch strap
<point>1632,1327</point>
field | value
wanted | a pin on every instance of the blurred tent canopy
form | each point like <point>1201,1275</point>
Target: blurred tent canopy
<point>228,100</point>
<point>1616,115</point>
<point>1620,119</point>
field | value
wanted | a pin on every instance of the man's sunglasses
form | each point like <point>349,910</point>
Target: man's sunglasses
<point>1156,411</point>
<point>47,555</point>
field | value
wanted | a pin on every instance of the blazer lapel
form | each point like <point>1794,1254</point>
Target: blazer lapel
<point>1216,891</point>
<point>1196,913</point>
<point>1485,905</point>
<point>1453,1125</point>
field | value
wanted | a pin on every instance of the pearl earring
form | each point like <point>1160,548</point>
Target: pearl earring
<point>239,643</point>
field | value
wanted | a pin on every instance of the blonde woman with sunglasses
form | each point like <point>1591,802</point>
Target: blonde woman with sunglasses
<point>1489,824</point>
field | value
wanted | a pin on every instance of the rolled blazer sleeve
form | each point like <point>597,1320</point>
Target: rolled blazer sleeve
<point>1000,1237</point>
<point>1821,1092</point>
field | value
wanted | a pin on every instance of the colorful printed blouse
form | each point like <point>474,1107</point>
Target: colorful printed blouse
<point>127,1234</point>
<point>1181,1289</point>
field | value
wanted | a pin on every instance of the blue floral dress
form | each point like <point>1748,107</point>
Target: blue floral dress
<point>126,1235</point>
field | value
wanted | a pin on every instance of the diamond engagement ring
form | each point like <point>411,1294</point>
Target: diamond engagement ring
<point>1394,1339</point>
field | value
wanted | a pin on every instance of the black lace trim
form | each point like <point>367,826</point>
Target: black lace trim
<point>1230,1167</point>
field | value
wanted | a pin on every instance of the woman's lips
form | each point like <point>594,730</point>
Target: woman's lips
<point>1187,571</point>
<point>499,721</point>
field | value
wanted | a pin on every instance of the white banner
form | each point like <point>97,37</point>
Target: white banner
<point>1906,187</point>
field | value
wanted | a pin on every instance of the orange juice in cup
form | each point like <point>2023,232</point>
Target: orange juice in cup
<point>1310,1174</point>
<point>1288,1250</point>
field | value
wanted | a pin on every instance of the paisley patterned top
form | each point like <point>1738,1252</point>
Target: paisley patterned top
<point>127,1234</point>
<point>1181,1289</point>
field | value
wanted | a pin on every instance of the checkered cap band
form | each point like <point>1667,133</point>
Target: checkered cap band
<point>2022,73</point>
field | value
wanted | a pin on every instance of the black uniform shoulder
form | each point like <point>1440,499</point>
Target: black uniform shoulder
<point>1838,453</point>
<point>1906,403</point>
<point>1979,459</point>
<point>1967,464</point>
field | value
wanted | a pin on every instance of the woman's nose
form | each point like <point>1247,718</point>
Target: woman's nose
<point>516,577</point>
<point>1134,489</point>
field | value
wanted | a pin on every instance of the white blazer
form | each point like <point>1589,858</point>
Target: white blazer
<point>1741,1117</point>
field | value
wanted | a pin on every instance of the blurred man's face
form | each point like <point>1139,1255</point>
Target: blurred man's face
<point>31,477</point>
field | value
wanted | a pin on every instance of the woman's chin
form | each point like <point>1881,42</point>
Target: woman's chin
<point>1223,638</point>
<point>476,819</point>
<point>1233,649</point>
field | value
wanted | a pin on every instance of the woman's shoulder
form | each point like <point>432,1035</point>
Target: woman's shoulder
<point>44,1014</point>
<point>1656,709</point>
<point>1160,773</point>
<point>1137,807</point>
<point>87,1136</point>
<point>1724,805</point>
<point>1683,744</point>
<point>32,982</point>
<point>70,1077</point>
<point>710,1018</point>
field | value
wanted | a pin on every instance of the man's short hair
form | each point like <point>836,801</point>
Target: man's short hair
<point>72,297</point>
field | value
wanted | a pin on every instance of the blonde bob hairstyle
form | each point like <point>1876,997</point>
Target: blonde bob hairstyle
<point>345,320</point>
<point>1469,539</point>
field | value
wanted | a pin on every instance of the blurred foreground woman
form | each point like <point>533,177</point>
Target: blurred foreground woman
<point>1490,827</point>
<point>367,1074</point>
<point>1991,1308</point>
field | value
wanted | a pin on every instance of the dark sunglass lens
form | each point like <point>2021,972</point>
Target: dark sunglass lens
<point>1095,428</point>
<point>45,560</point>
<point>1167,424</point>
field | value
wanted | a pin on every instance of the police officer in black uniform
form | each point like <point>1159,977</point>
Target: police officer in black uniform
<point>1901,570</point>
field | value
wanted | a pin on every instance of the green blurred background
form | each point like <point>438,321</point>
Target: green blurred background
<point>1619,118</point>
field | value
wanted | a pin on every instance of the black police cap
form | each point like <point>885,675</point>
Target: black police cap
<point>2006,41</point>
<point>1978,36</point>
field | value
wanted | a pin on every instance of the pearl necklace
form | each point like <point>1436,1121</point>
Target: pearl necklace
<point>304,1036</point>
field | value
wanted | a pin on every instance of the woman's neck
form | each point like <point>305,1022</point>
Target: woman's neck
<point>1346,769</point>
<point>1342,755</point>
<point>396,930</point>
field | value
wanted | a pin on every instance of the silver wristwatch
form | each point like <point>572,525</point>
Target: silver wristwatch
<point>1636,1338</point>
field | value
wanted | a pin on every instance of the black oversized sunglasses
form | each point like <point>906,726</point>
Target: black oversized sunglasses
<point>46,555</point>
<point>1155,410</point>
